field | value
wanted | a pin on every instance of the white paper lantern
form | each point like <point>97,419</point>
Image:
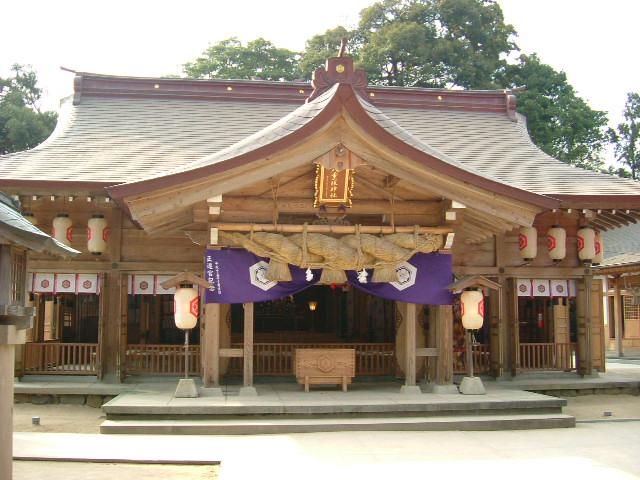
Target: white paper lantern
<point>30,217</point>
<point>63,229</point>
<point>586,244</point>
<point>186,304</point>
<point>557,243</point>
<point>472,309</point>
<point>97,235</point>
<point>599,246</point>
<point>528,243</point>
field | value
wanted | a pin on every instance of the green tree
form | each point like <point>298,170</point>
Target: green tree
<point>258,59</point>
<point>22,124</point>
<point>559,122</point>
<point>432,43</point>
<point>626,136</point>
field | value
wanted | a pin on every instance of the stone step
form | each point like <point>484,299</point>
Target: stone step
<point>274,425</point>
<point>133,407</point>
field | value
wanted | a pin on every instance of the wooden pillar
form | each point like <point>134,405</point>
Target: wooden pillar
<point>7,354</point>
<point>583,304</point>
<point>112,335</point>
<point>513,323</point>
<point>247,377</point>
<point>410,346</point>
<point>210,345</point>
<point>444,339</point>
<point>617,316</point>
<point>496,333</point>
<point>109,338</point>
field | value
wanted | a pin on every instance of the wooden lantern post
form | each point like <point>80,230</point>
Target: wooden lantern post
<point>184,283</point>
<point>472,385</point>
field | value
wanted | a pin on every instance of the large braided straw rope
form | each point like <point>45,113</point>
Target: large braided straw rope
<point>335,255</point>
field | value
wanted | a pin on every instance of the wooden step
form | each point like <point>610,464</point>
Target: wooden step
<point>274,425</point>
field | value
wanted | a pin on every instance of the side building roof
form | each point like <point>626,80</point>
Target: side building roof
<point>16,229</point>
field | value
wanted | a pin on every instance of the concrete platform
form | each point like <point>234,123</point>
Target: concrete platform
<point>261,426</point>
<point>284,408</point>
<point>288,399</point>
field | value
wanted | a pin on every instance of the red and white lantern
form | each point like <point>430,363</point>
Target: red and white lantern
<point>557,243</point>
<point>97,234</point>
<point>586,239</point>
<point>63,229</point>
<point>528,243</point>
<point>472,309</point>
<point>599,245</point>
<point>186,304</point>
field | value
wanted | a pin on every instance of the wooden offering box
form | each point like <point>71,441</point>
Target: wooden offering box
<point>325,366</point>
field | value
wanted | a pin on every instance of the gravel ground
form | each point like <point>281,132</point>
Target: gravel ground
<point>85,419</point>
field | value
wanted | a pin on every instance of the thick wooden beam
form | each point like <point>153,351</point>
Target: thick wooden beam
<point>341,229</point>
<point>444,344</point>
<point>89,266</point>
<point>305,205</point>
<point>524,271</point>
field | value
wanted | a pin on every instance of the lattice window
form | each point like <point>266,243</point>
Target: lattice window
<point>631,312</point>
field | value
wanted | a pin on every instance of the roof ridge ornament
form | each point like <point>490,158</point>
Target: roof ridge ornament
<point>338,69</point>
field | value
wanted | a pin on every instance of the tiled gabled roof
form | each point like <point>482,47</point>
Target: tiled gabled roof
<point>118,135</point>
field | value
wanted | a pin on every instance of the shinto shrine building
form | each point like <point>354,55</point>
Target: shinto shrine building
<point>330,215</point>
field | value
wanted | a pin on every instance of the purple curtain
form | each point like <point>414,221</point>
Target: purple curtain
<point>238,276</point>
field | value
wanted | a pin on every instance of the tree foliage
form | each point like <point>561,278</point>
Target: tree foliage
<point>433,43</point>
<point>626,136</point>
<point>559,122</point>
<point>22,124</point>
<point>259,59</point>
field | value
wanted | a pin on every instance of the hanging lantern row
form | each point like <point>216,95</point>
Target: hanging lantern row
<point>97,231</point>
<point>472,309</point>
<point>589,244</point>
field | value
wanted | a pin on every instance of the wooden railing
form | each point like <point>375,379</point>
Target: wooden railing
<point>161,359</point>
<point>481,359</point>
<point>276,359</point>
<point>60,358</point>
<point>547,356</point>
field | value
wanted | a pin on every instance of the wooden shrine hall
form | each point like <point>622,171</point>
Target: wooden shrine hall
<point>336,183</point>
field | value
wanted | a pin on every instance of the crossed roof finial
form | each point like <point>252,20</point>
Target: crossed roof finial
<point>343,47</point>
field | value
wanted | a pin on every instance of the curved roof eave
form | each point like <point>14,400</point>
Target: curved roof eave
<point>307,120</point>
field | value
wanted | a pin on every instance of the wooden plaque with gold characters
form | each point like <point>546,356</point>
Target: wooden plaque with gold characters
<point>333,187</point>
<point>335,177</point>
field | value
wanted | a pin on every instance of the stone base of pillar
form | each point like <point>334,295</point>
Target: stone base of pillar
<point>248,392</point>
<point>410,390</point>
<point>212,392</point>
<point>472,386</point>
<point>441,389</point>
<point>186,388</point>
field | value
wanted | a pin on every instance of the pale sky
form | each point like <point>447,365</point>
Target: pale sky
<point>594,41</point>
